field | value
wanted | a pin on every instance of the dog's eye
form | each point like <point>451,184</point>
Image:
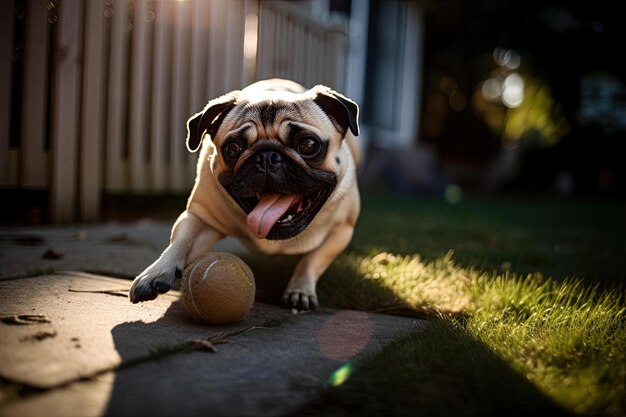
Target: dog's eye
<point>308,147</point>
<point>232,150</point>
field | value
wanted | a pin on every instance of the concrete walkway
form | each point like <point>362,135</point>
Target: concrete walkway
<point>120,249</point>
<point>71,344</point>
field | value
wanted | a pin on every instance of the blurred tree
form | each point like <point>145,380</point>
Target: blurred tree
<point>558,44</point>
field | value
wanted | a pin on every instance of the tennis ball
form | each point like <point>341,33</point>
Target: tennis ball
<point>218,288</point>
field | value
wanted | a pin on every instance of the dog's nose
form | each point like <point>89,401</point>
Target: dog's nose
<point>268,161</point>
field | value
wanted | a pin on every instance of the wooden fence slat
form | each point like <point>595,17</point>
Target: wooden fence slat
<point>91,144</point>
<point>66,113</point>
<point>340,51</point>
<point>200,32</point>
<point>308,46</point>
<point>217,49</point>
<point>278,45</point>
<point>250,41</point>
<point>295,55</point>
<point>296,67</point>
<point>140,80</point>
<point>117,106</point>
<point>199,56</point>
<point>6,51</point>
<point>327,76</point>
<point>265,65</point>
<point>287,51</point>
<point>180,97</point>
<point>319,52</point>
<point>160,112</point>
<point>234,45</point>
<point>33,157</point>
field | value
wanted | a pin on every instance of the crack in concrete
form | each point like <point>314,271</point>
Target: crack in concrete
<point>117,293</point>
<point>20,390</point>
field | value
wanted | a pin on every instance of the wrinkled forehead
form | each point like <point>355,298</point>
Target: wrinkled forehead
<point>269,114</point>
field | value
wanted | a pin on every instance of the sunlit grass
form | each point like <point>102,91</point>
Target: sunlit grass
<point>565,338</point>
<point>427,286</point>
<point>500,341</point>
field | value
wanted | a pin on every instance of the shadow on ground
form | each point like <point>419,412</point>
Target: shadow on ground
<point>434,379</point>
<point>425,373</point>
<point>263,369</point>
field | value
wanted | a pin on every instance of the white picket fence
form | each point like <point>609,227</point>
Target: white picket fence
<point>107,86</point>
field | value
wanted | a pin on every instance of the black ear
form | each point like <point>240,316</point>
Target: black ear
<point>208,120</point>
<point>341,110</point>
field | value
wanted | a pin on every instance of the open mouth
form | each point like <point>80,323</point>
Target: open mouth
<point>281,200</point>
<point>277,216</point>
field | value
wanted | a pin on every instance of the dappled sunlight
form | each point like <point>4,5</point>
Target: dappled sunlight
<point>439,285</point>
<point>555,333</point>
<point>565,337</point>
<point>505,293</point>
<point>560,337</point>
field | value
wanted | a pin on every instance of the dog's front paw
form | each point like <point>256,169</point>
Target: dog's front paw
<point>300,299</point>
<point>152,282</point>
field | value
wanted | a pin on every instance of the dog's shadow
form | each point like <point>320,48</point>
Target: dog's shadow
<point>153,378</point>
<point>271,274</point>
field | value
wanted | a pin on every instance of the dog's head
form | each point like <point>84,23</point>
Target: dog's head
<point>277,152</point>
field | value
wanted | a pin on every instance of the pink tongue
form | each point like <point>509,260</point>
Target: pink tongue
<point>267,212</point>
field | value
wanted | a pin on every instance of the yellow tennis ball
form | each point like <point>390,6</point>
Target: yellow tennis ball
<point>218,288</point>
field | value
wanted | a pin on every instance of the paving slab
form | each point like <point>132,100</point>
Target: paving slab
<point>84,313</point>
<point>100,355</point>
<point>119,249</point>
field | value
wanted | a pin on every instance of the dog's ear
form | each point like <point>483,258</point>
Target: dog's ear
<point>342,111</point>
<point>209,119</point>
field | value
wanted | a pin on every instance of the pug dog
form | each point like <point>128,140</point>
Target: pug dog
<point>277,170</point>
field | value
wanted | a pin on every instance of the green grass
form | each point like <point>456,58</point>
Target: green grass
<point>525,301</point>
<point>558,238</point>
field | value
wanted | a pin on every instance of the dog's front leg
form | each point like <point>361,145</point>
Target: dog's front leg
<point>301,290</point>
<point>190,236</point>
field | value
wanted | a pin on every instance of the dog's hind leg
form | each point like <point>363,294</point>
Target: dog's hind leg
<point>159,277</point>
